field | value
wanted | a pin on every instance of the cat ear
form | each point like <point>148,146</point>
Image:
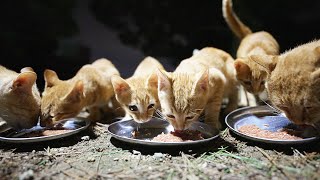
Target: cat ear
<point>241,67</point>
<point>27,69</point>
<point>268,62</point>
<point>164,83</point>
<point>120,86</point>
<point>50,77</point>
<point>202,83</point>
<point>152,81</point>
<point>77,93</point>
<point>24,81</point>
<point>316,75</point>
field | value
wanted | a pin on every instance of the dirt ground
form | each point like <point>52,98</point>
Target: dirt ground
<point>93,154</point>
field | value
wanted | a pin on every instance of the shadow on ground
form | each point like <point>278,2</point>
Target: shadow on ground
<point>175,150</point>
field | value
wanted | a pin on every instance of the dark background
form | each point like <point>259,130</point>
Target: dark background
<point>64,35</point>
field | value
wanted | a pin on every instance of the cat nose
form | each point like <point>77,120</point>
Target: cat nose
<point>46,121</point>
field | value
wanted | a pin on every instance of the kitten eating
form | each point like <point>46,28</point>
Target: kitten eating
<point>90,88</point>
<point>198,84</point>
<point>249,74</point>
<point>19,98</point>
<point>293,82</point>
<point>137,95</point>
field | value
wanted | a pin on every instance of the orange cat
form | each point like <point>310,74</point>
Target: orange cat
<point>137,95</point>
<point>293,82</point>
<point>19,98</point>
<point>198,84</point>
<point>249,74</point>
<point>90,88</point>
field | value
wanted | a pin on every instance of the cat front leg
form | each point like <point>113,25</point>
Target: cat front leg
<point>94,113</point>
<point>246,98</point>
<point>232,100</point>
<point>212,112</point>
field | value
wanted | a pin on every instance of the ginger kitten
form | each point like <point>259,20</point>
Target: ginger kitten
<point>90,88</point>
<point>19,98</point>
<point>249,74</point>
<point>137,95</point>
<point>198,84</point>
<point>293,82</point>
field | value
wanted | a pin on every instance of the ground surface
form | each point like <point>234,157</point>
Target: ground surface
<point>103,157</point>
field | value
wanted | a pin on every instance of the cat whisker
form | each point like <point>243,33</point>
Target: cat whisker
<point>201,116</point>
<point>158,118</point>
<point>276,111</point>
<point>159,113</point>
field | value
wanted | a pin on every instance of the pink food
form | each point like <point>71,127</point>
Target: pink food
<point>255,131</point>
<point>179,136</point>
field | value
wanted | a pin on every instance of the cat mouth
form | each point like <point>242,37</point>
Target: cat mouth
<point>46,123</point>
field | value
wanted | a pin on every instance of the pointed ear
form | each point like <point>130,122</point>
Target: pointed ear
<point>152,81</point>
<point>241,67</point>
<point>202,84</point>
<point>50,77</point>
<point>27,69</point>
<point>24,81</point>
<point>315,76</point>
<point>77,93</point>
<point>267,62</point>
<point>164,83</point>
<point>120,86</point>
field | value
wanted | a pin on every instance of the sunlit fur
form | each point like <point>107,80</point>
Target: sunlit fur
<point>19,98</point>
<point>294,82</point>
<point>250,75</point>
<point>90,88</point>
<point>140,90</point>
<point>198,84</point>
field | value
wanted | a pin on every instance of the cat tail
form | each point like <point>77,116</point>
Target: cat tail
<point>236,26</point>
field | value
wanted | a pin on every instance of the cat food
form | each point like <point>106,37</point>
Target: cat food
<point>46,133</point>
<point>255,131</point>
<point>179,136</point>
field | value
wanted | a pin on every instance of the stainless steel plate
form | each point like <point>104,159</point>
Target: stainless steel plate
<point>265,118</point>
<point>122,130</point>
<point>74,124</point>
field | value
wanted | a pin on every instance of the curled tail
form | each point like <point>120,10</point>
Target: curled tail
<point>237,27</point>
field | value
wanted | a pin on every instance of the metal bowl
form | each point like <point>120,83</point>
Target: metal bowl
<point>122,130</point>
<point>75,125</point>
<point>267,119</point>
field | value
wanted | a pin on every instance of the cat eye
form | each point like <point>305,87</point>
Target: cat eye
<point>170,116</point>
<point>189,117</point>
<point>308,108</point>
<point>247,83</point>
<point>150,106</point>
<point>133,108</point>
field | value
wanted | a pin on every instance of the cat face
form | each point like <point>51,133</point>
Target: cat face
<point>137,96</point>
<point>250,75</point>
<point>293,85</point>
<point>182,97</point>
<point>20,98</point>
<point>60,99</point>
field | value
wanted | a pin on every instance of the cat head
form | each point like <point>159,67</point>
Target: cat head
<point>137,96</point>
<point>60,99</point>
<point>182,97</point>
<point>250,75</point>
<point>293,87</point>
<point>20,100</point>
